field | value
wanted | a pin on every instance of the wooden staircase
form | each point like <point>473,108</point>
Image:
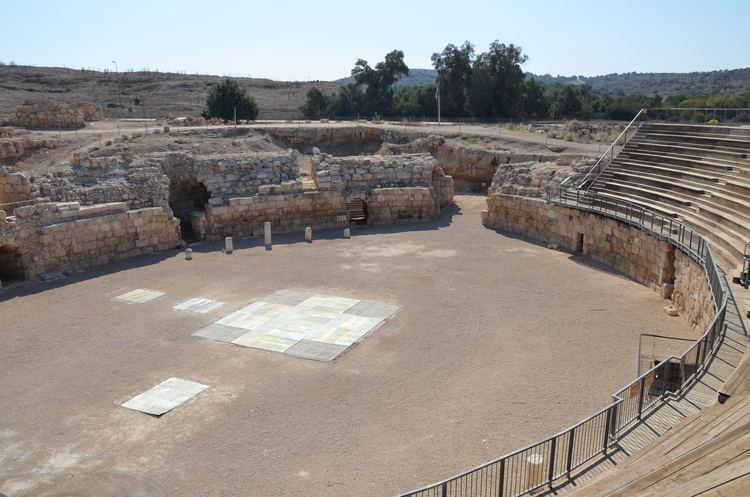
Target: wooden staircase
<point>357,210</point>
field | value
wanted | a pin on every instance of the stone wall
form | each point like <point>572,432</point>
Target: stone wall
<point>287,212</point>
<point>228,176</point>
<point>65,237</point>
<point>643,257</point>
<point>475,168</point>
<point>692,292</point>
<point>55,115</point>
<point>15,187</point>
<point>340,141</point>
<point>107,179</point>
<point>13,149</point>
<point>357,173</point>
<point>291,212</point>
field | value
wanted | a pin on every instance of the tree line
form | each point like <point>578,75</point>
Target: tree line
<point>486,85</point>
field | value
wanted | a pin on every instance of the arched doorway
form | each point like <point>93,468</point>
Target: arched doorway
<point>11,265</point>
<point>187,195</point>
<point>357,210</point>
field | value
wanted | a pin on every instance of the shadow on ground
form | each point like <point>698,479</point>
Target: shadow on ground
<point>32,287</point>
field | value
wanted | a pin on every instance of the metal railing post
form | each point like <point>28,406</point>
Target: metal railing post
<point>571,441</point>
<point>444,490</point>
<point>641,391</point>
<point>606,430</point>
<point>551,467</point>
<point>683,380</point>
<point>501,478</point>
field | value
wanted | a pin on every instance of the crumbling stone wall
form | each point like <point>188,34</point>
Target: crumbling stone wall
<point>107,179</point>
<point>228,176</point>
<point>55,115</point>
<point>15,148</point>
<point>352,140</point>
<point>65,237</point>
<point>359,173</point>
<point>15,187</point>
<point>643,257</point>
<point>498,171</point>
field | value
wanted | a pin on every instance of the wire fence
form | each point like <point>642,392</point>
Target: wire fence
<point>550,462</point>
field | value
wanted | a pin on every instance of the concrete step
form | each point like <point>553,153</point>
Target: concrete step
<point>672,147</point>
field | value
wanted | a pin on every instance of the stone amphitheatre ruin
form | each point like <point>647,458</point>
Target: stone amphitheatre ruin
<point>494,292</point>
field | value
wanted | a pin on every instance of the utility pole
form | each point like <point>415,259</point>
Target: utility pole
<point>119,86</point>
<point>437,97</point>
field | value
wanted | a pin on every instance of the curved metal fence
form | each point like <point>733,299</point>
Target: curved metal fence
<point>551,461</point>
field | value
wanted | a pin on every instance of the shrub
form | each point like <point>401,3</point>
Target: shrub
<point>227,95</point>
<point>713,121</point>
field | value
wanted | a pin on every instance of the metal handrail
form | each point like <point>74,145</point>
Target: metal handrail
<point>713,111</point>
<point>521,471</point>
<point>597,169</point>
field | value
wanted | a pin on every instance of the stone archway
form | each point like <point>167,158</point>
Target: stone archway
<point>186,196</point>
<point>11,264</point>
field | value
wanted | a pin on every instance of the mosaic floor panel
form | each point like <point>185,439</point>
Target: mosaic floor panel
<point>300,324</point>
<point>139,296</point>
<point>165,396</point>
<point>198,306</point>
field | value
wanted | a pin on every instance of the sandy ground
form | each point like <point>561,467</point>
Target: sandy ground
<point>498,342</point>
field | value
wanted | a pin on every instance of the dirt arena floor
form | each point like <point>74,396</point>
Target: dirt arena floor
<point>497,343</point>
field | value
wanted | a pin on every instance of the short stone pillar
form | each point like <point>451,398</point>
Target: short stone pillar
<point>188,254</point>
<point>267,233</point>
<point>308,234</point>
<point>228,245</point>
<point>347,233</point>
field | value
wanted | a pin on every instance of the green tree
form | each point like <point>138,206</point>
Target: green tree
<point>377,83</point>
<point>496,86</point>
<point>317,105</point>
<point>454,71</point>
<point>535,104</point>
<point>415,101</point>
<point>227,95</point>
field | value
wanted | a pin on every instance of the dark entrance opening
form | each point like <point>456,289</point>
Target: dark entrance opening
<point>11,265</point>
<point>669,378</point>
<point>187,195</point>
<point>579,243</point>
<point>357,209</point>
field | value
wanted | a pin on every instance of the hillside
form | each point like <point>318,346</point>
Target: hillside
<point>156,94</point>
<point>416,77</point>
<point>730,82</point>
<point>144,94</point>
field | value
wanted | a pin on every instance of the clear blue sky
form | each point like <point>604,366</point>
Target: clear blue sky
<point>300,40</point>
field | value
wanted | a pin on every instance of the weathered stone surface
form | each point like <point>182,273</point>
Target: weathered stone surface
<point>214,195</point>
<point>55,115</point>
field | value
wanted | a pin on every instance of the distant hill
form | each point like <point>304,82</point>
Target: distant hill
<point>145,93</point>
<point>730,82</point>
<point>156,94</point>
<point>416,77</point>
